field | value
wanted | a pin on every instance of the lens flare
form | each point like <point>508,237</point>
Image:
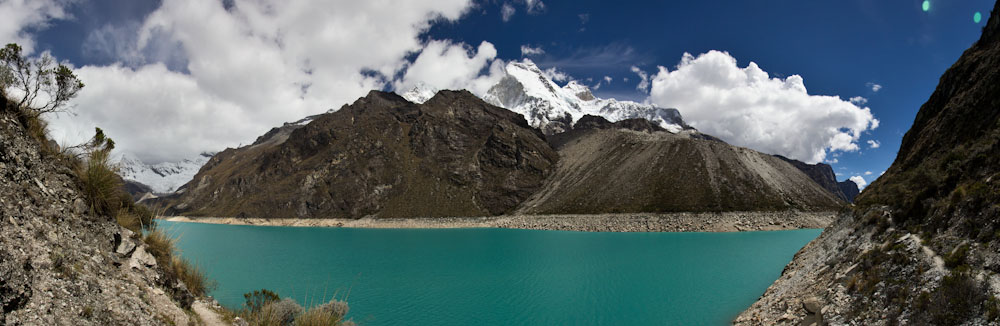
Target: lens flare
<point>977,17</point>
<point>927,5</point>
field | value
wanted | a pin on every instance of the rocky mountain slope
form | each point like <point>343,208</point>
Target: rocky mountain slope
<point>635,166</point>
<point>850,189</point>
<point>453,155</point>
<point>922,246</point>
<point>527,90</point>
<point>823,175</point>
<point>60,264</point>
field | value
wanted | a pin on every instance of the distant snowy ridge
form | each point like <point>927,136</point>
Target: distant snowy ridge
<point>525,89</point>
<point>163,177</point>
<point>420,93</point>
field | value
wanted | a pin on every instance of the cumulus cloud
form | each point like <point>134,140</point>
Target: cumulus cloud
<point>507,11</point>
<point>859,181</point>
<point>444,65</point>
<point>868,172</point>
<point>643,79</point>
<point>874,144</point>
<point>874,87</point>
<point>527,50</point>
<point>534,6</point>
<point>858,100</point>
<point>747,107</point>
<point>556,75</point>
<point>19,17</point>
<point>243,69</point>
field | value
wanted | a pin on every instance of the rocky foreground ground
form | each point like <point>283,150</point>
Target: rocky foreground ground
<point>673,222</point>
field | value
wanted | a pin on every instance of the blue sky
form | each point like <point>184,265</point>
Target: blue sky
<point>838,48</point>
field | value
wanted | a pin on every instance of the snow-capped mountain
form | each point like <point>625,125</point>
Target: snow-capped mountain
<point>163,177</point>
<point>420,93</point>
<point>525,89</point>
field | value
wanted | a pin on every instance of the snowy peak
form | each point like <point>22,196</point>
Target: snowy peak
<point>526,89</point>
<point>580,90</point>
<point>420,93</point>
<point>164,177</point>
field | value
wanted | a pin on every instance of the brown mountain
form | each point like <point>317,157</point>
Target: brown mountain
<point>922,246</point>
<point>453,155</point>
<point>823,175</point>
<point>456,155</point>
<point>635,166</point>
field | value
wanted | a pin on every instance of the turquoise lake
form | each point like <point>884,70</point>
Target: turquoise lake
<point>487,277</point>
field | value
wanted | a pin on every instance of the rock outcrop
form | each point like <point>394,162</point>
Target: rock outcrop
<point>60,264</point>
<point>453,155</point>
<point>922,246</point>
<point>823,174</point>
<point>850,190</point>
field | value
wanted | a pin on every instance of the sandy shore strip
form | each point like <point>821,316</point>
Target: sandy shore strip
<point>669,222</point>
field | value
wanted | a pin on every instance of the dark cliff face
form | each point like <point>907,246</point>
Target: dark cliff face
<point>849,189</point>
<point>922,245</point>
<point>454,155</point>
<point>823,175</point>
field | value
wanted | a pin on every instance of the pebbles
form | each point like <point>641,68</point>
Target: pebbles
<point>669,222</point>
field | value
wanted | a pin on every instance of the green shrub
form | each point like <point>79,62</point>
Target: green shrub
<point>256,300</point>
<point>957,257</point>
<point>992,309</point>
<point>955,300</point>
<point>328,314</point>
<point>161,246</point>
<point>266,308</point>
<point>191,275</point>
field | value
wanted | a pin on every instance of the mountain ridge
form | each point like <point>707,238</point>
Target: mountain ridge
<point>922,245</point>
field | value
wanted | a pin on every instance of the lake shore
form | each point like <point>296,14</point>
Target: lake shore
<point>628,222</point>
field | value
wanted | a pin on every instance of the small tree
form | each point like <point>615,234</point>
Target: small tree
<point>34,76</point>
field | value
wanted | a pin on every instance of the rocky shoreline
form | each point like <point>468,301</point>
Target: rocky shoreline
<point>662,222</point>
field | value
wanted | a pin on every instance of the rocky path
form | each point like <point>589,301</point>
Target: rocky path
<point>936,261</point>
<point>207,315</point>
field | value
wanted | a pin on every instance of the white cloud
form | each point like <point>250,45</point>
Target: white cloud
<point>881,173</point>
<point>746,107</point>
<point>874,144</point>
<point>19,17</point>
<point>507,11</point>
<point>555,75</point>
<point>858,100</point>
<point>833,161</point>
<point>859,181</point>
<point>607,79</point>
<point>868,172</point>
<point>534,6</point>
<point>527,50</point>
<point>444,65</point>
<point>643,79</point>
<point>251,67</point>
<point>874,87</point>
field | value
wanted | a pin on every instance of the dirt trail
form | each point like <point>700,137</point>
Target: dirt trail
<point>207,315</point>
